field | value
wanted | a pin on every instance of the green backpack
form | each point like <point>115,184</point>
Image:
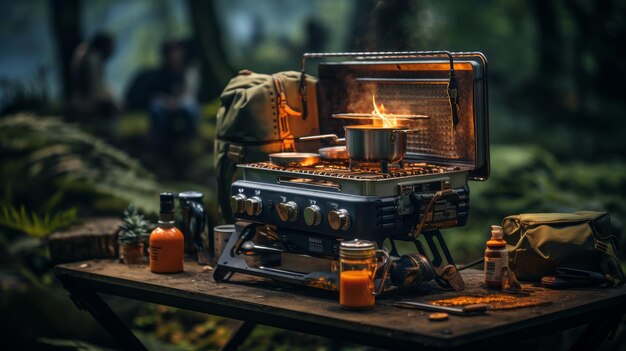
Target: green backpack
<point>260,114</point>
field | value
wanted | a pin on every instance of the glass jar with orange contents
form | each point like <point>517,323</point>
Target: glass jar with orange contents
<point>359,263</point>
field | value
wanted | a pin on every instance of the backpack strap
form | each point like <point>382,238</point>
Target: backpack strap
<point>284,112</point>
<point>607,245</point>
<point>229,155</point>
<point>226,168</point>
<point>284,109</point>
<point>303,92</point>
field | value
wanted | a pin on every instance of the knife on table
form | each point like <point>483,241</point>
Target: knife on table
<point>478,308</point>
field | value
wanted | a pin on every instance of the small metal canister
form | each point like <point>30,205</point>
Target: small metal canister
<point>221,235</point>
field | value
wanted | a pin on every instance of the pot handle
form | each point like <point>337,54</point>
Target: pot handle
<point>406,131</point>
<point>402,131</point>
<point>334,137</point>
<point>385,265</point>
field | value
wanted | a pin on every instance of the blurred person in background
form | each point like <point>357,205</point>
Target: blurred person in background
<point>91,97</point>
<point>167,93</point>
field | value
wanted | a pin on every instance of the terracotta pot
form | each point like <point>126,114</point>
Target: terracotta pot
<point>132,253</point>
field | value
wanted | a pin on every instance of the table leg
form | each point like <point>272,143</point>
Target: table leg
<point>596,332</point>
<point>89,300</point>
<point>239,336</point>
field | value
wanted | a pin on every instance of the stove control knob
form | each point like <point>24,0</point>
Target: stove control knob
<point>312,215</point>
<point>287,211</point>
<point>254,206</point>
<point>237,203</point>
<point>339,219</point>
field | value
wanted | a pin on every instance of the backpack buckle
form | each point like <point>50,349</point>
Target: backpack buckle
<point>236,153</point>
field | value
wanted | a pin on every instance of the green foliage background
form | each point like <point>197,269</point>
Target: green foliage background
<point>557,131</point>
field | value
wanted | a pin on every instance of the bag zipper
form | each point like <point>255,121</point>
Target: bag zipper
<point>557,221</point>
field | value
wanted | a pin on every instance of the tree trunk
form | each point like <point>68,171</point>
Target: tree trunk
<point>67,32</point>
<point>96,238</point>
<point>388,26</point>
<point>361,25</point>
<point>550,54</point>
<point>216,71</point>
<point>599,38</point>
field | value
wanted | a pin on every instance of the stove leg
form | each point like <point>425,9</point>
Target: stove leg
<point>222,274</point>
<point>441,259</point>
<point>384,166</point>
<point>233,260</point>
<point>440,254</point>
<point>231,257</point>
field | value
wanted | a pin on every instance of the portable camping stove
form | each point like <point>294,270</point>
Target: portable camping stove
<point>292,219</point>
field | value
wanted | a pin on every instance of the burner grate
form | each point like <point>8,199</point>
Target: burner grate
<point>341,170</point>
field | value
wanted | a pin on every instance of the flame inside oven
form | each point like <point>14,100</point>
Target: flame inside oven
<point>382,119</point>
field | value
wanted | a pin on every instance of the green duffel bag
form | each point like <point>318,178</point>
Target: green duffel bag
<point>539,243</point>
<point>260,114</point>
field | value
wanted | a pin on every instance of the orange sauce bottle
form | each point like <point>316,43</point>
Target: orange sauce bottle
<point>167,243</point>
<point>496,259</point>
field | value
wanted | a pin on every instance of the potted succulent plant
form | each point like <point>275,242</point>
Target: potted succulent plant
<point>133,234</point>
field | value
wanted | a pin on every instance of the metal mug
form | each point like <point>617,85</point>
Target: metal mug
<point>193,224</point>
<point>221,235</point>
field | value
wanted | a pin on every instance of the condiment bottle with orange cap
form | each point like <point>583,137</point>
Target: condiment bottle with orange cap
<point>496,258</point>
<point>167,243</point>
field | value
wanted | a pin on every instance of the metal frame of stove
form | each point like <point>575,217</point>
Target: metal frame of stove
<point>379,186</point>
<point>233,261</point>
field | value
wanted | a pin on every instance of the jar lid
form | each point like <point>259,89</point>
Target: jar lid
<point>357,248</point>
<point>191,195</point>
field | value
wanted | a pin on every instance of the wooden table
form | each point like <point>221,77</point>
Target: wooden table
<point>317,312</point>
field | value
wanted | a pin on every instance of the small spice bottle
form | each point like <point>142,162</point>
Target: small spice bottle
<point>496,258</point>
<point>167,243</point>
<point>358,265</point>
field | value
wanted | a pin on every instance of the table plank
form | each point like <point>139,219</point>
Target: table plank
<point>318,312</point>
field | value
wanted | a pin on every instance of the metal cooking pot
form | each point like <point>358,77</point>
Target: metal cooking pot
<point>375,144</point>
<point>366,143</point>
